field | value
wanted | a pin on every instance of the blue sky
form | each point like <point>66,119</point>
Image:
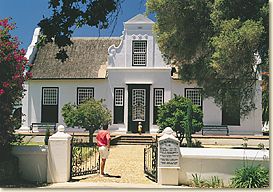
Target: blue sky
<point>27,14</point>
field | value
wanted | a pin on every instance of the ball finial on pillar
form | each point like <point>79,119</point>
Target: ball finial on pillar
<point>60,128</point>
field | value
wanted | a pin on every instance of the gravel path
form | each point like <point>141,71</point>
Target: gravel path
<point>126,161</point>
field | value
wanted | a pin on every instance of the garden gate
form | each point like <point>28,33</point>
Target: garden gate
<point>84,158</point>
<point>150,160</point>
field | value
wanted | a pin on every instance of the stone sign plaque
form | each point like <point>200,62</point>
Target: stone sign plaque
<point>168,153</point>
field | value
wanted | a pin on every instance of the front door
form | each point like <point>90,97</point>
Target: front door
<point>139,107</point>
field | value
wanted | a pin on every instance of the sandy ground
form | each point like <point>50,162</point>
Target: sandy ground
<point>126,161</point>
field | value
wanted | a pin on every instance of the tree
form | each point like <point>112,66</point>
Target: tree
<point>216,43</point>
<point>67,15</point>
<point>12,76</point>
<point>90,115</point>
<point>174,114</point>
<point>265,95</point>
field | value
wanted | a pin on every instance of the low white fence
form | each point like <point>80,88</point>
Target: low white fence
<point>205,162</point>
<point>50,163</point>
<point>32,162</point>
<point>208,162</point>
<point>176,165</point>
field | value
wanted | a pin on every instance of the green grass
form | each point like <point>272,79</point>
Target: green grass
<point>31,143</point>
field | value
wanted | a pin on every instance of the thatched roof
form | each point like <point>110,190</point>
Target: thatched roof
<point>87,59</point>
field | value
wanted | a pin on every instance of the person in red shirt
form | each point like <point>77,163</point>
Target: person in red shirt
<point>103,141</point>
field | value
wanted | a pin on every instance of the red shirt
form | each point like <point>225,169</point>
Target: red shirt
<point>103,137</point>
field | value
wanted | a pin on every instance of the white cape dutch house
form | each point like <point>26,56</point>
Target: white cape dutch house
<point>128,72</point>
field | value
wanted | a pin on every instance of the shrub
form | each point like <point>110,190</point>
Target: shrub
<point>253,176</point>
<point>90,115</point>
<point>195,143</point>
<point>197,181</point>
<point>12,77</point>
<point>47,134</point>
<point>174,114</point>
<point>213,182</point>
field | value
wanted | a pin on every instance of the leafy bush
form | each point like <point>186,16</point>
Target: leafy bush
<point>12,77</point>
<point>174,114</point>
<point>90,115</point>
<point>253,176</point>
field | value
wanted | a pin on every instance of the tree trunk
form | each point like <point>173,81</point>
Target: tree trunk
<point>189,125</point>
<point>180,136</point>
<point>91,132</point>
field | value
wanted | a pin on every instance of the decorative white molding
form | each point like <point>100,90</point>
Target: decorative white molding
<point>140,36</point>
<point>139,19</point>
<point>33,43</point>
<point>113,50</point>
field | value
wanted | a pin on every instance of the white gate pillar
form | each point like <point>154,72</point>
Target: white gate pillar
<point>59,151</point>
<point>168,158</point>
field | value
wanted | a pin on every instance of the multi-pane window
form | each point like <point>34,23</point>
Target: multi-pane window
<point>118,105</point>
<point>118,97</point>
<point>84,93</point>
<point>139,53</point>
<point>50,104</point>
<point>50,96</point>
<point>195,95</point>
<point>159,96</point>
<point>138,104</point>
<point>158,101</point>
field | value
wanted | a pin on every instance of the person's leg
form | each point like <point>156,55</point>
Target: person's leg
<point>102,166</point>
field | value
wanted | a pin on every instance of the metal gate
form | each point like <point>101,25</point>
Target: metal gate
<point>84,158</point>
<point>150,161</point>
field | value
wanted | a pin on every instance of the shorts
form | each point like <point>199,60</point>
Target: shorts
<point>104,152</point>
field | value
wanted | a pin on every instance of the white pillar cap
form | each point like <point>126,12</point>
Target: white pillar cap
<point>60,128</point>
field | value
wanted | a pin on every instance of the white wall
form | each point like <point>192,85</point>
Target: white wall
<point>208,162</point>
<point>121,56</point>
<point>121,77</point>
<point>251,124</point>
<point>32,162</point>
<point>67,93</point>
<point>212,113</point>
<point>157,78</point>
<point>121,72</point>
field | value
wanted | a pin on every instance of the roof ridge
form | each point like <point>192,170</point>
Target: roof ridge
<point>95,38</point>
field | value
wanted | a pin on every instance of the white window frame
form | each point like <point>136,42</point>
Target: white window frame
<point>119,97</point>
<point>139,51</point>
<point>88,91</point>
<point>134,102</point>
<point>158,96</point>
<point>50,95</point>
<point>196,99</point>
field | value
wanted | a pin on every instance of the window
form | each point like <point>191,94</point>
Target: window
<point>158,95</point>
<point>195,95</point>
<point>158,101</point>
<point>50,104</point>
<point>118,105</point>
<point>139,53</point>
<point>138,104</point>
<point>84,93</point>
<point>118,97</point>
<point>50,96</point>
